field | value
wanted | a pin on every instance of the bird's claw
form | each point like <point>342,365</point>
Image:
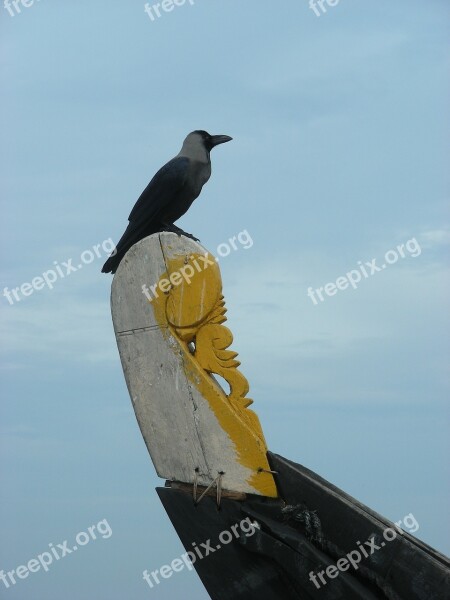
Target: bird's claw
<point>189,235</point>
<point>174,229</point>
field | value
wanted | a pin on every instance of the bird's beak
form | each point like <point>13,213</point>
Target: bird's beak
<point>219,139</point>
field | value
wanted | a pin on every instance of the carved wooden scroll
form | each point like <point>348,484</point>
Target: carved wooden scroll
<point>169,313</point>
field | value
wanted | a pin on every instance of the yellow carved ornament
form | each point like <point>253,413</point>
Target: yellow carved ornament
<point>193,312</point>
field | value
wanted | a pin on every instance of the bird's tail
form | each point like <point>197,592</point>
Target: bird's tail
<point>112,263</point>
<point>131,236</point>
<point>122,247</point>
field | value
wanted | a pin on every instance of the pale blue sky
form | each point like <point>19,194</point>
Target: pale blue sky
<point>338,156</point>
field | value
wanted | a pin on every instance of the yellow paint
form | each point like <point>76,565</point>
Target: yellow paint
<point>194,311</point>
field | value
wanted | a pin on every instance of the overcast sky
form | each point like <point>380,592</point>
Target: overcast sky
<point>338,156</point>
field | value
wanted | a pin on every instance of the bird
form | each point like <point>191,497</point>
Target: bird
<point>169,194</point>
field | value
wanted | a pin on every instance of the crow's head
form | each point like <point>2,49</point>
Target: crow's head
<point>208,141</point>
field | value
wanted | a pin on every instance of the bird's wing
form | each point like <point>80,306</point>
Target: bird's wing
<point>169,180</point>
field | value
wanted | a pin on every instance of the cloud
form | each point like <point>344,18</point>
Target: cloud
<point>435,237</point>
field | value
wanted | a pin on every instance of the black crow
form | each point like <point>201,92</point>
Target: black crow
<point>169,194</point>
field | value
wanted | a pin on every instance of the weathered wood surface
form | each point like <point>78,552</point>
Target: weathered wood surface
<point>169,348</point>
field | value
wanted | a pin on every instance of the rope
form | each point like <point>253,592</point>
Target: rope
<point>217,480</point>
<point>194,489</point>
<point>313,530</point>
<point>301,513</point>
<point>219,488</point>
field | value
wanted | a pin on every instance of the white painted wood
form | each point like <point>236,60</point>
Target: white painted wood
<point>180,429</point>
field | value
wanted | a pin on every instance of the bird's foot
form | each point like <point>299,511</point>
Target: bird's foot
<point>189,235</point>
<point>174,229</point>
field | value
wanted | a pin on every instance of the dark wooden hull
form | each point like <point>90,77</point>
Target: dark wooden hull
<point>311,527</point>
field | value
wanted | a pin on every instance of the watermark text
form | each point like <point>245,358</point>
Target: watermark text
<point>199,552</point>
<point>355,276</point>
<point>155,11</point>
<point>55,553</point>
<point>369,547</point>
<point>59,271</point>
